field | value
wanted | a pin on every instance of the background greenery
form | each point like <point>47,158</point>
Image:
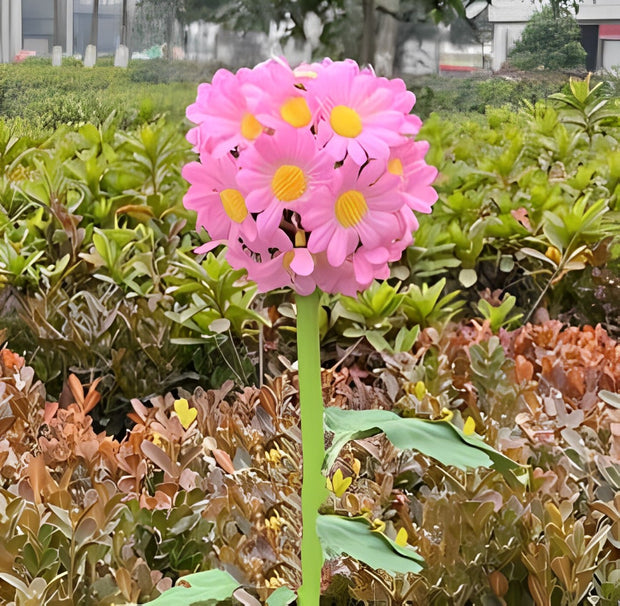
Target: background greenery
<point>550,41</point>
<point>36,99</point>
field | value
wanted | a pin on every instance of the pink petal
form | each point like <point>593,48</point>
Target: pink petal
<point>302,263</point>
<point>320,238</point>
<point>357,153</point>
<point>363,269</point>
<point>208,246</point>
<point>304,285</point>
<point>341,245</point>
<point>267,221</point>
<point>377,255</point>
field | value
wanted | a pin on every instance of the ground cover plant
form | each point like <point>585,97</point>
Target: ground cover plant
<point>149,419</point>
<point>41,99</point>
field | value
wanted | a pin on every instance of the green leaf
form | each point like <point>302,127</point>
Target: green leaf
<point>609,397</point>
<point>440,440</point>
<point>281,597</point>
<point>203,586</point>
<point>468,277</point>
<point>406,338</point>
<point>506,263</point>
<point>356,538</point>
<point>377,340</point>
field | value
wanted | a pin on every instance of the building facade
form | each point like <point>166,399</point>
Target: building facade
<point>10,29</point>
<point>599,21</point>
<point>35,26</point>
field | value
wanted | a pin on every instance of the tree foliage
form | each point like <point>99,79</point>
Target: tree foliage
<point>561,6</point>
<point>255,13</point>
<point>553,42</point>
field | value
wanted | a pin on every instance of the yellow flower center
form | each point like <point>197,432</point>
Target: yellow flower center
<point>554,254</point>
<point>350,208</point>
<point>287,259</point>
<point>250,127</point>
<point>395,166</point>
<point>296,112</point>
<point>300,239</point>
<point>345,121</point>
<point>234,204</point>
<point>288,183</point>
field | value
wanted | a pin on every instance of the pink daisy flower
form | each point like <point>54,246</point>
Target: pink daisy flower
<point>407,161</point>
<point>403,101</point>
<point>286,266</point>
<point>310,176</point>
<point>362,209</point>
<point>215,196</point>
<point>360,114</point>
<point>221,110</point>
<point>340,279</point>
<point>281,99</point>
<point>370,264</point>
<point>282,171</point>
<point>306,72</point>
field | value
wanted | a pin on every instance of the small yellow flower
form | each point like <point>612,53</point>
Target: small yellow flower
<point>377,525</point>
<point>469,427</point>
<point>275,581</point>
<point>446,415</point>
<point>274,456</point>
<point>156,439</point>
<point>419,390</point>
<point>186,414</point>
<point>401,538</point>
<point>338,484</point>
<point>274,522</point>
<point>554,254</point>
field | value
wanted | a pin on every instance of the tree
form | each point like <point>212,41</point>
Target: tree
<point>124,22</point>
<point>336,15</point>
<point>561,6</point>
<point>94,24</point>
<point>60,23</point>
<point>161,16</point>
<point>553,42</point>
<point>351,28</point>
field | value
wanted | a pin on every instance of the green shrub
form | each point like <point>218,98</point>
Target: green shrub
<point>457,96</point>
<point>551,41</point>
<point>98,280</point>
<point>157,71</point>
<point>49,97</point>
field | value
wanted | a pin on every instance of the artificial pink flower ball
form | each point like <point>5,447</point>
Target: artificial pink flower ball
<point>311,176</point>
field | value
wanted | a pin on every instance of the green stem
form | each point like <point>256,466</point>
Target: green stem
<point>313,490</point>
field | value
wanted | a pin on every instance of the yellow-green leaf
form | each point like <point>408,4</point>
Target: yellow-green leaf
<point>401,537</point>
<point>186,414</point>
<point>469,427</point>
<point>339,484</point>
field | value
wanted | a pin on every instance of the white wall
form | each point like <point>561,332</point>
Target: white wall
<point>4,30</point>
<point>598,11</point>
<point>511,10</point>
<point>504,37</point>
<point>610,54</point>
<point>10,29</point>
